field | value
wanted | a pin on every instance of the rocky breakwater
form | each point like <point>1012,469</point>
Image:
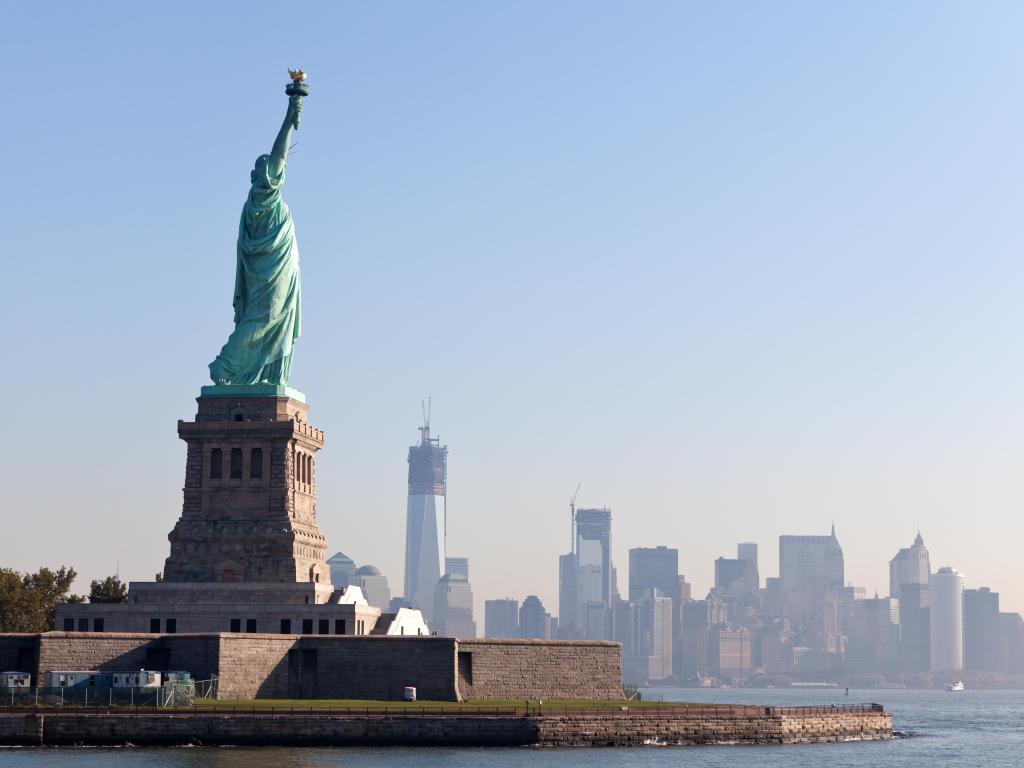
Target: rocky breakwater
<point>626,726</point>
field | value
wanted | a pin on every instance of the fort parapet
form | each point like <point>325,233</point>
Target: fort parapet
<point>337,667</point>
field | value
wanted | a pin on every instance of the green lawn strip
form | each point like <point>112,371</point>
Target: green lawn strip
<point>449,706</point>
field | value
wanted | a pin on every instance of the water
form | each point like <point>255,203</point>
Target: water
<point>971,728</point>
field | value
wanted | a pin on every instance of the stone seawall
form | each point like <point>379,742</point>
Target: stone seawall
<point>763,726</point>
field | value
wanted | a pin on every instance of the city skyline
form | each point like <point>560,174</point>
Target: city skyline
<point>742,274</point>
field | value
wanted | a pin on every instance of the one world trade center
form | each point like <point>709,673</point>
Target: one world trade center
<point>425,520</point>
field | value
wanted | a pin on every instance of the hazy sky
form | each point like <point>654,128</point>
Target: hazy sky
<point>742,269</point>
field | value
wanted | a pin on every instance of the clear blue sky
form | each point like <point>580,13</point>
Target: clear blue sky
<point>743,269</point>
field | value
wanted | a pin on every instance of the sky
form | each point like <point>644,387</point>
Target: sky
<point>739,269</point>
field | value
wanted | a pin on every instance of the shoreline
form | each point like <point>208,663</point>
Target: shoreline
<point>631,728</point>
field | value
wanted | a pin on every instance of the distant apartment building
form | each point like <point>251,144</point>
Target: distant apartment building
<point>911,565</point>
<point>946,625</point>
<point>501,618</point>
<point>534,621</point>
<point>981,629</point>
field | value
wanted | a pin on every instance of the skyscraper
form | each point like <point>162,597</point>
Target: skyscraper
<point>501,618</point>
<point>698,617</point>
<point>656,568</point>
<point>810,563</point>
<point>342,568</point>
<point>586,579</point>
<point>734,578</point>
<point>374,586</point>
<point>569,623</point>
<point>874,640</point>
<point>457,565</point>
<point>915,617</point>
<point>594,555</point>
<point>425,521</point>
<point>534,621</point>
<point>644,628</point>
<point>453,607</point>
<point>809,567</point>
<point>1011,643</point>
<point>947,627</point>
<point>981,629</point>
<point>911,565</point>
<point>747,550</point>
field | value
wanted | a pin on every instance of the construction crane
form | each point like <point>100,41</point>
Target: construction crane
<point>572,519</point>
<point>425,429</point>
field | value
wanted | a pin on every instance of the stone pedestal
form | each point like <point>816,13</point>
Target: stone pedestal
<point>249,511</point>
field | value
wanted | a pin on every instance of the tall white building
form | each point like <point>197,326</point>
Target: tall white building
<point>947,622</point>
<point>425,521</point>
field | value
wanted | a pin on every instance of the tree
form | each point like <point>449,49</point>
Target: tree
<point>28,600</point>
<point>110,590</point>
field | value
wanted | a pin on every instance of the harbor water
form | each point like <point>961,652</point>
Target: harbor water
<point>968,728</point>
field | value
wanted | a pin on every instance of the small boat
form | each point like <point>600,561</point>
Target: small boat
<point>957,686</point>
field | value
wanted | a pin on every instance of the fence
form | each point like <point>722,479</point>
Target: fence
<point>176,694</point>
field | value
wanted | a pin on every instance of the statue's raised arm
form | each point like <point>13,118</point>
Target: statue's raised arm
<point>279,154</point>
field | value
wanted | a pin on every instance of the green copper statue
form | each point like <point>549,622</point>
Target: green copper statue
<point>267,285</point>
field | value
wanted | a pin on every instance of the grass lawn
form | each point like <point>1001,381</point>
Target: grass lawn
<point>377,706</point>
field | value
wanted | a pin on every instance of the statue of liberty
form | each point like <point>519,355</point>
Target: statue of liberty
<point>267,285</point>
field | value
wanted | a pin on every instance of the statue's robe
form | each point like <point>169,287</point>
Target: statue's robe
<point>267,289</point>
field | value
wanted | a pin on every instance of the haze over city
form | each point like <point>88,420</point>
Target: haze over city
<point>736,291</point>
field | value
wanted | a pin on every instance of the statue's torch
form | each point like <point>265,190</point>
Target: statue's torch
<point>298,87</point>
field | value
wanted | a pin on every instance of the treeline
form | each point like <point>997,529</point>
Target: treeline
<point>28,600</point>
